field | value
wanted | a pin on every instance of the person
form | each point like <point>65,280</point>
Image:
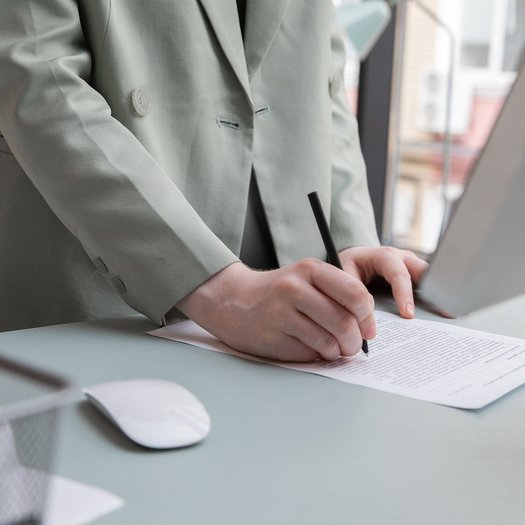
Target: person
<point>171,145</point>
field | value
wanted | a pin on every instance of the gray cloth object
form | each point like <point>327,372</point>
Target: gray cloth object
<point>126,179</point>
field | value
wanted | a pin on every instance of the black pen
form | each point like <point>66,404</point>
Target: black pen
<point>324,229</point>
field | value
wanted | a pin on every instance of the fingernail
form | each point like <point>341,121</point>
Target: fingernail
<point>409,309</point>
<point>369,333</point>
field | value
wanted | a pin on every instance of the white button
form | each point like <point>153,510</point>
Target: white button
<point>140,102</point>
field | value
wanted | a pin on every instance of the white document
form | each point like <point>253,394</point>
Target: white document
<point>73,503</point>
<point>22,492</point>
<point>426,360</point>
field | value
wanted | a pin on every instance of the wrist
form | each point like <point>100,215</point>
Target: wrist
<point>213,294</point>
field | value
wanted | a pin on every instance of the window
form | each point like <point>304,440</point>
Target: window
<point>476,32</point>
<point>436,138</point>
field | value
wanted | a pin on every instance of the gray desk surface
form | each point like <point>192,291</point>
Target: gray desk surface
<point>286,447</point>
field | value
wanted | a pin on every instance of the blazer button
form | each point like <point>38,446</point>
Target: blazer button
<point>118,284</point>
<point>100,265</point>
<point>140,102</point>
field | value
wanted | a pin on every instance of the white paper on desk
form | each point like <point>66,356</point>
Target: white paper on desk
<point>22,492</point>
<point>68,502</point>
<point>426,360</point>
<point>73,503</point>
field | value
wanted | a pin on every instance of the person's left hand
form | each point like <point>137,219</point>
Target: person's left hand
<point>398,267</point>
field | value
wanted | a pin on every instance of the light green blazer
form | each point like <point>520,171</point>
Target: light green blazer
<point>130,130</point>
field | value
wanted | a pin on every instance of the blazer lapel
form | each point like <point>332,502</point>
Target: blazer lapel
<point>263,18</point>
<point>224,19</point>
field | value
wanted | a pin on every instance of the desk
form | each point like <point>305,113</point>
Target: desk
<point>286,447</point>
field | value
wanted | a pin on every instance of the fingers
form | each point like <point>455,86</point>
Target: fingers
<point>306,311</point>
<point>335,333</point>
<point>400,268</point>
<point>293,350</point>
<point>416,266</point>
<point>351,295</point>
<point>329,311</point>
<point>314,336</point>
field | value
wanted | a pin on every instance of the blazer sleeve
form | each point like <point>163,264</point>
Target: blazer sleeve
<point>92,171</point>
<point>351,217</point>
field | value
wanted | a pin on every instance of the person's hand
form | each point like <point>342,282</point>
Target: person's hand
<point>398,267</point>
<point>302,312</point>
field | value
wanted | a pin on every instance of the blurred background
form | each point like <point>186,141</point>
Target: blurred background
<point>427,88</point>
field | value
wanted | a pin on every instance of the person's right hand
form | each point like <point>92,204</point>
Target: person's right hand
<point>302,312</point>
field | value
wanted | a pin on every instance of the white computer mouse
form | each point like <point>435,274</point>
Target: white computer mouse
<point>154,413</point>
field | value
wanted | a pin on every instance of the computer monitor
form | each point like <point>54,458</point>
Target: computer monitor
<point>480,259</point>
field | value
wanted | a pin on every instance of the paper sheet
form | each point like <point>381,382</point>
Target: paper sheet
<point>22,492</point>
<point>73,503</point>
<point>428,360</point>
